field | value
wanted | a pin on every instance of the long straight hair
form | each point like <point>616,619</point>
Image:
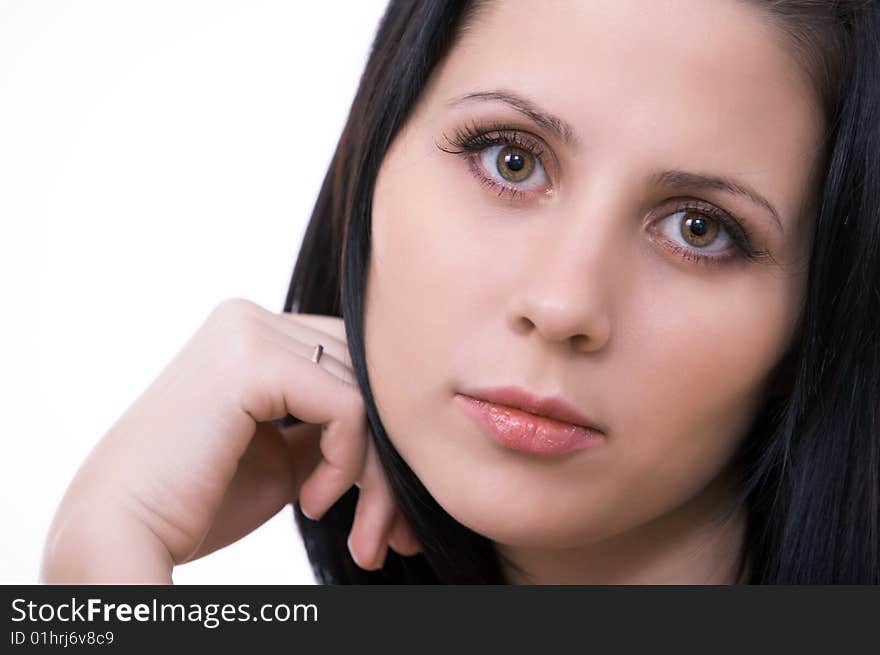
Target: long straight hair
<point>810,464</point>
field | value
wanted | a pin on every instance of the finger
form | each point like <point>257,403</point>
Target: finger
<point>370,530</point>
<point>343,453</point>
<point>332,325</point>
<point>322,489</point>
<point>330,362</point>
<point>305,331</point>
<point>368,537</point>
<point>327,325</point>
<point>290,383</point>
<point>312,329</point>
<point>373,475</point>
<point>303,442</point>
<point>401,537</point>
<point>287,381</point>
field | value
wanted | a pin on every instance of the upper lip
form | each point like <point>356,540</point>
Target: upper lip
<point>553,407</point>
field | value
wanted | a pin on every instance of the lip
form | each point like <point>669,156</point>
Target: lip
<point>550,406</point>
<point>523,421</point>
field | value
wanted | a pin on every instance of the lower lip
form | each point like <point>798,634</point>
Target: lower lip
<point>529,433</point>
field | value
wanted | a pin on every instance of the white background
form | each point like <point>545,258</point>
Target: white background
<point>156,157</point>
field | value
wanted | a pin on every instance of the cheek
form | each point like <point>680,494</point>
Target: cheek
<point>700,354</point>
<point>414,315</point>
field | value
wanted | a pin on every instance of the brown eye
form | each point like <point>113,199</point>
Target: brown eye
<point>698,229</point>
<point>515,164</point>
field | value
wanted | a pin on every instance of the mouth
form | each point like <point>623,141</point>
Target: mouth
<point>518,419</point>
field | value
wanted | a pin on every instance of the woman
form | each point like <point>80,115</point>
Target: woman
<point>588,296</point>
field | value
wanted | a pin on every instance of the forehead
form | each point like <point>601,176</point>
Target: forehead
<point>669,83</point>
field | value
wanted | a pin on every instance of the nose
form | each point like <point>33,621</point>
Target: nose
<point>565,292</point>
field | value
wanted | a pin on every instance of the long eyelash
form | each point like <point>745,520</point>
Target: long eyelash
<point>737,230</point>
<point>472,138</point>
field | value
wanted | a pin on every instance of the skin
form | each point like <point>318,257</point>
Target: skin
<point>197,461</point>
<point>573,293</point>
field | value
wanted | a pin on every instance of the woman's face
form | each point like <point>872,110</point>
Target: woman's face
<point>587,283</point>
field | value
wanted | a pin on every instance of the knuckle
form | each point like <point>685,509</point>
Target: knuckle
<point>234,323</point>
<point>336,443</point>
<point>229,338</point>
<point>242,343</point>
<point>233,309</point>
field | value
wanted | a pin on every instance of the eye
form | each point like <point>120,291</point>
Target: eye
<point>506,160</point>
<point>510,165</point>
<point>696,229</point>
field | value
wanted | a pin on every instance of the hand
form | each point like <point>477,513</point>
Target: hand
<point>198,460</point>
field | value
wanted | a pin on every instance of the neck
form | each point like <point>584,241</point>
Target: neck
<point>697,543</point>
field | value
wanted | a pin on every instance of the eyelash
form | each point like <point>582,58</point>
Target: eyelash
<point>470,140</point>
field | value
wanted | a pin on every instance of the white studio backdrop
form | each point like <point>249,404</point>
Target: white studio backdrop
<point>156,157</point>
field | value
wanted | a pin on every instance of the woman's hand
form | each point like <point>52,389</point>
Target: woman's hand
<point>197,461</point>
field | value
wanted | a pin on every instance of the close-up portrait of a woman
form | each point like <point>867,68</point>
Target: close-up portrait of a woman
<point>589,294</point>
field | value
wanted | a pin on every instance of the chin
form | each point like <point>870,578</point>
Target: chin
<point>523,524</point>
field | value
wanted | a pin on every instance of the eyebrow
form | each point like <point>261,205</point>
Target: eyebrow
<point>559,128</point>
<point>677,179</point>
<point>563,130</point>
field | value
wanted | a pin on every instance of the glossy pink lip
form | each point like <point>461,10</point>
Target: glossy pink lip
<point>549,406</point>
<point>517,419</point>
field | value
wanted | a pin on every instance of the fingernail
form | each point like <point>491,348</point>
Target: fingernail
<point>307,515</point>
<point>351,551</point>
